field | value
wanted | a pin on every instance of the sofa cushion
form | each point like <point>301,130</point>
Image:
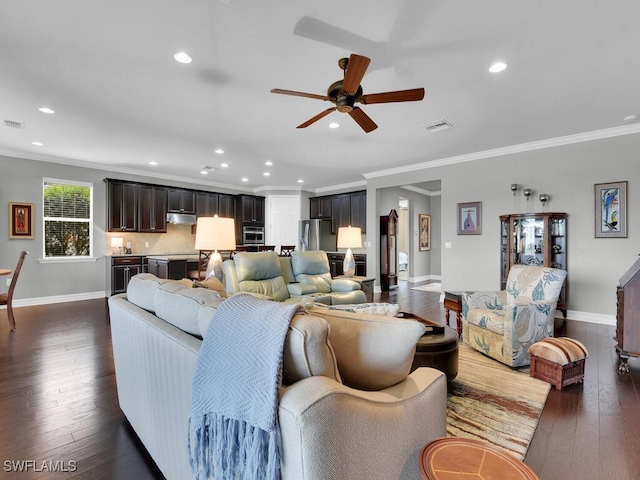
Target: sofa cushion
<point>373,351</point>
<point>141,290</point>
<point>391,309</point>
<point>179,305</point>
<point>307,351</point>
<point>301,289</point>
<point>211,283</point>
<point>344,285</point>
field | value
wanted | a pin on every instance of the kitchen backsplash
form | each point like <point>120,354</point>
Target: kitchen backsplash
<point>178,239</point>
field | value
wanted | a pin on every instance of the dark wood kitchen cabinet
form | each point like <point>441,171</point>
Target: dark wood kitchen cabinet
<point>122,269</point>
<point>359,210</point>
<point>152,210</point>
<point>207,204</point>
<point>251,209</point>
<point>225,206</point>
<point>340,212</point>
<point>181,201</point>
<point>320,207</point>
<point>122,207</point>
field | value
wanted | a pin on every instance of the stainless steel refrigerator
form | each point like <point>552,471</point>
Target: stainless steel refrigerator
<point>316,235</point>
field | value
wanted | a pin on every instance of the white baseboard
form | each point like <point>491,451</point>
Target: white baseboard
<point>599,318</point>
<point>74,297</point>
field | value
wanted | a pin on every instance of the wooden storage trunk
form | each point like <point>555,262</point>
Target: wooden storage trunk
<point>558,375</point>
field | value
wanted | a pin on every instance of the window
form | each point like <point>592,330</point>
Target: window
<point>68,218</point>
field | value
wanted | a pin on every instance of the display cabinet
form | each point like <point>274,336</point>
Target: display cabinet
<point>534,239</point>
<point>388,251</point>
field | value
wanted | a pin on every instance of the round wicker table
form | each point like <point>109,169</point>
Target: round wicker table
<point>452,458</point>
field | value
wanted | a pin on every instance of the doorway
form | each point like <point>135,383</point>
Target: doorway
<point>403,239</point>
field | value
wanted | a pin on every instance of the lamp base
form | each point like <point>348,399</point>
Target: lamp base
<point>349,265</point>
<point>214,267</point>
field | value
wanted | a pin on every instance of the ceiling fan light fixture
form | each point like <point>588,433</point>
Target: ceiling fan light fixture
<point>497,67</point>
<point>219,151</point>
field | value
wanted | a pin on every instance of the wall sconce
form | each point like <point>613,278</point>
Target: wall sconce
<point>527,193</point>
<point>544,198</point>
<point>514,188</point>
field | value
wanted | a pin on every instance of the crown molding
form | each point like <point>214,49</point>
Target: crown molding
<point>523,147</point>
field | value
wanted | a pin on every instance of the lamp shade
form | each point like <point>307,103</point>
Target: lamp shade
<point>349,237</point>
<point>215,233</point>
<point>117,242</point>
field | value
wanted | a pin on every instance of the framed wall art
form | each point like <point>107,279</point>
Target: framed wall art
<point>424,222</point>
<point>21,221</point>
<point>470,218</point>
<point>611,210</point>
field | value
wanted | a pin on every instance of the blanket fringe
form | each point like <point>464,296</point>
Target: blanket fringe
<point>244,451</point>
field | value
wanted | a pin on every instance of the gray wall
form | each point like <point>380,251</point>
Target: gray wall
<point>568,174</point>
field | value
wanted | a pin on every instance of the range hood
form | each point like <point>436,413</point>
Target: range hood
<point>181,218</point>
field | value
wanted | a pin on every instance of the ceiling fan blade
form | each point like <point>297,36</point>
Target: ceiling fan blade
<point>300,94</point>
<point>363,119</point>
<point>316,118</point>
<point>356,68</point>
<point>412,95</point>
<point>320,31</point>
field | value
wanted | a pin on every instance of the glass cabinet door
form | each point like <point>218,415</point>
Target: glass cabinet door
<point>528,244</point>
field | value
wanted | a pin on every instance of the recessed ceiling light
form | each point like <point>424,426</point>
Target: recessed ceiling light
<point>266,174</point>
<point>245,179</point>
<point>219,151</point>
<point>268,163</point>
<point>37,144</point>
<point>46,110</point>
<point>300,181</point>
<point>204,172</point>
<point>630,118</point>
<point>497,67</point>
<point>224,165</point>
<point>182,57</point>
<point>334,125</point>
<point>153,163</point>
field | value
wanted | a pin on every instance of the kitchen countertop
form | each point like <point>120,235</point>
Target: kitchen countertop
<point>174,257</point>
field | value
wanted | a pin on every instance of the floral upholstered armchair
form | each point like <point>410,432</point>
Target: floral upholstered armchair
<point>504,324</point>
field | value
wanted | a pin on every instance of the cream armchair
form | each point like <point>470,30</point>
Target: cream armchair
<point>504,324</point>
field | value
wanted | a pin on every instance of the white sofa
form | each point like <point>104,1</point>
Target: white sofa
<point>329,431</point>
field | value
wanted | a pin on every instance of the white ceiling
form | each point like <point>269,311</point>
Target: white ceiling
<point>121,100</point>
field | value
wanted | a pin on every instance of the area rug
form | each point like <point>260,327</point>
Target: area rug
<point>430,287</point>
<point>492,402</point>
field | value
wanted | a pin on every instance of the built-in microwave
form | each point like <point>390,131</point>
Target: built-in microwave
<point>253,235</point>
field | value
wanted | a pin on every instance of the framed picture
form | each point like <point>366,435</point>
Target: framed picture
<point>611,209</point>
<point>424,221</point>
<point>21,220</point>
<point>470,218</point>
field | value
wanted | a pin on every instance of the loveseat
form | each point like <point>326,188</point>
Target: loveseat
<point>373,429</point>
<point>286,279</point>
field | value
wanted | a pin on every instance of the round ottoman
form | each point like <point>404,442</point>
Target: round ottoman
<point>438,351</point>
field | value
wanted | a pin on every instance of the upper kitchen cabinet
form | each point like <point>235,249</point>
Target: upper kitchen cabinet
<point>207,204</point>
<point>251,209</point>
<point>152,209</point>
<point>225,206</point>
<point>340,212</point>
<point>320,207</point>
<point>181,201</point>
<point>122,206</point>
<point>359,210</point>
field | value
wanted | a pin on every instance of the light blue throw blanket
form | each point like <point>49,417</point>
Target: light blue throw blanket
<point>233,428</point>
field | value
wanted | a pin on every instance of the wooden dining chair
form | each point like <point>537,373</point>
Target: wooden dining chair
<point>7,298</point>
<point>286,250</point>
<point>266,248</point>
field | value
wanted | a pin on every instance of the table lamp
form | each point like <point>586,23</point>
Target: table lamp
<point>349,237</point>
<point>215,233</point>
<point>116,245</point>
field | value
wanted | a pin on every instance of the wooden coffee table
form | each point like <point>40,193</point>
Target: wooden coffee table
<point>454,458</point>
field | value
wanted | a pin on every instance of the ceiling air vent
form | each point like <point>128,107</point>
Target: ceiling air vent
<point>12,124</point>
<point>437,126</point>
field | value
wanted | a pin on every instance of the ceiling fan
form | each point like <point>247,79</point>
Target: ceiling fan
<point>347,92</point>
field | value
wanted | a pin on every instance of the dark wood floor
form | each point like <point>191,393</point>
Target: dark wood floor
<point>59,402</point>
